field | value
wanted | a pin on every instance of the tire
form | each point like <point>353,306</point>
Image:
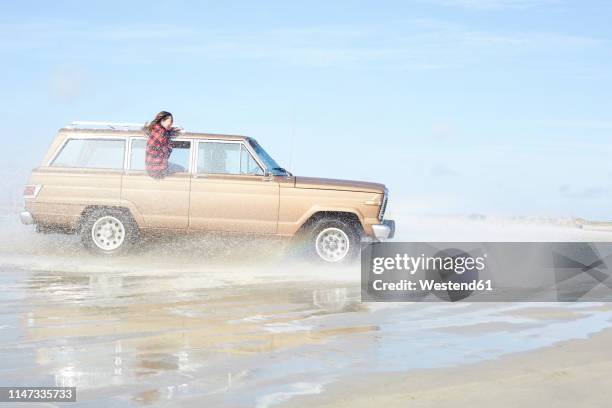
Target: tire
<point>334,241</point>
<point>108,231</point>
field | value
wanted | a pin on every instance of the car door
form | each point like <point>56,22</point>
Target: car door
<point>229,191</point>
<point>163,203</point>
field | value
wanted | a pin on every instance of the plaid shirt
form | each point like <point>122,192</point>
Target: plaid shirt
<point>158,151</point>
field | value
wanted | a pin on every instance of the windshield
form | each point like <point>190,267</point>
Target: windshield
<point>271,164</point>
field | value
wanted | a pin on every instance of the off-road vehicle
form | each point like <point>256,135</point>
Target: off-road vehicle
<point>92,181</point>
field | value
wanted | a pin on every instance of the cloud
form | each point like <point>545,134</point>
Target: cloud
<point>418,45</point>
<point>443,130</point>
<point>442,170</point>
<point>66,83</point>
<point>577,124</point>
<point>413,44</point>
<point>593,192</point>
<point>495,4</point>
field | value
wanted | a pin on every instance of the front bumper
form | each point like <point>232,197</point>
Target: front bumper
<point>386,230</point>
<point>26,218</point>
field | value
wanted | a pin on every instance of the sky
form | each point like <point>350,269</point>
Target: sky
<point>497,107</point>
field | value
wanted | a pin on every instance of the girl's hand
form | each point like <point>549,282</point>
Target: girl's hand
<point>175,131</point>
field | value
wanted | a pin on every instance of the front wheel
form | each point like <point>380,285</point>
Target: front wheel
<point>335,241</point>
<point>108,231</point>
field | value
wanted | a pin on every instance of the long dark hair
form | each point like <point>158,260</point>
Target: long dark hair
<point>156,121</point>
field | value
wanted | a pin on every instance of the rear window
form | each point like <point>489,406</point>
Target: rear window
<point>91,153</point>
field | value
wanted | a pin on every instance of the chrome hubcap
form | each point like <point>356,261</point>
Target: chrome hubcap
<point>108,233</point>
<point>332,244</point>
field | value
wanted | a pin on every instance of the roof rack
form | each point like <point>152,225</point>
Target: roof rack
<point>106,125</point>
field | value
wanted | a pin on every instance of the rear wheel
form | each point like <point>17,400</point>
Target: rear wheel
<point>334,240</point>
<point>108,231</point>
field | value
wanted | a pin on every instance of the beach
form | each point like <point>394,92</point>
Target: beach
<point>567,374</point>
<point>236,323</point>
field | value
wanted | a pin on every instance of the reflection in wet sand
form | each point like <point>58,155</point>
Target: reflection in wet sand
<point>97,331</point>
<point>140,339</point>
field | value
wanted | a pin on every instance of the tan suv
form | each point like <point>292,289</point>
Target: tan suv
<point>92,181</point>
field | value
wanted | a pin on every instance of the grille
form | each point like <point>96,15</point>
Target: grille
<point>383,206</point>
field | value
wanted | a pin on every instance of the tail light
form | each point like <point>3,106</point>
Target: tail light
<point>31,190</point>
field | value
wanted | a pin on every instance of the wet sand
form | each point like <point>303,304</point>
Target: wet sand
<point>569,374</point>
<point>234,323</point>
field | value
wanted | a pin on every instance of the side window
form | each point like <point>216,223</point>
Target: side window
<point>137,155</point>
<point>219,158</point>
<point>91,153</point>
<point>226,158</point>
<point>180,154</point>
<point>248,165</point>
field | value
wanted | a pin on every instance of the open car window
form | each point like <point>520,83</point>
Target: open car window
<point>180,154</point>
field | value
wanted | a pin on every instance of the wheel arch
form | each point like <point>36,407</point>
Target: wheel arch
<point>91,208</point>
<point>346,216</point>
